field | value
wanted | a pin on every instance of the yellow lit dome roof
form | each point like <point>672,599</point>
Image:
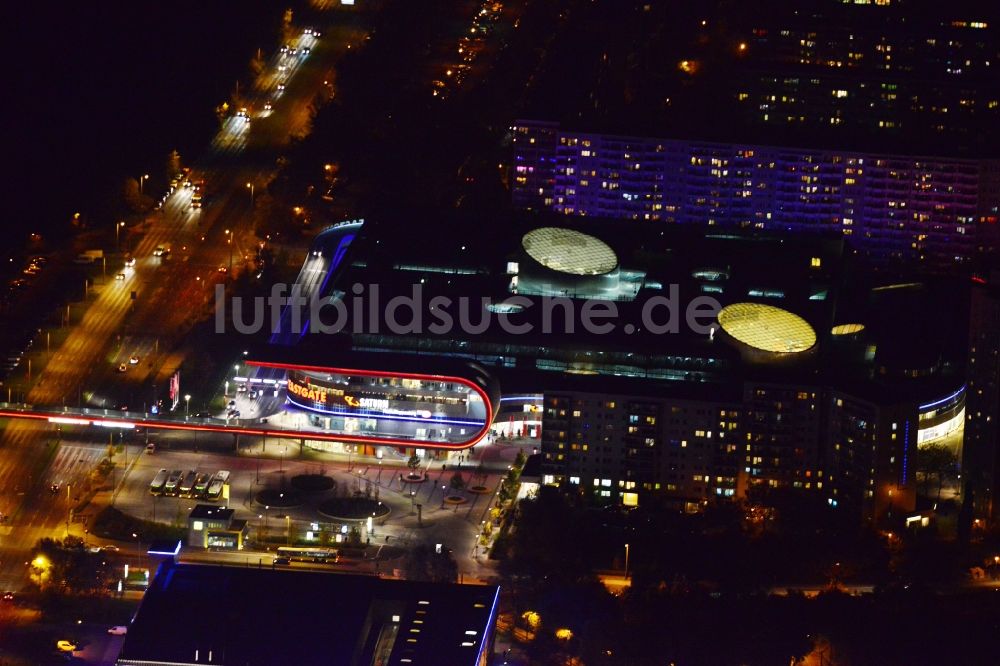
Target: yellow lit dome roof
<point>767,328</point>
<point>568,251</point>
<point>847,329</point>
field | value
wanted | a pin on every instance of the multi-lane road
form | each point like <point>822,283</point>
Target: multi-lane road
<point>147,312</point>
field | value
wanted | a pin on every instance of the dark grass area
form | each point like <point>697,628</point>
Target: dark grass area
<point>110,523</point>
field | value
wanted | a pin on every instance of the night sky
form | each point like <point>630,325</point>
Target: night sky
<point>100,91</point>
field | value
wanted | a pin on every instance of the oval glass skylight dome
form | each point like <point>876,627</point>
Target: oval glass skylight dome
<point>568,251</point>
<point>767,328</point>
<point>847,329</point>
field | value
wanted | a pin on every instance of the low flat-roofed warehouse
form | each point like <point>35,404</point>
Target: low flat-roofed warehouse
<point>196,614</point>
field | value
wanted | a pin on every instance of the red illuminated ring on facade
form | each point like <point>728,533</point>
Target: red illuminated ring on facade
<point>243,430</point>
<point>487,422</point>
<point>289,434</point>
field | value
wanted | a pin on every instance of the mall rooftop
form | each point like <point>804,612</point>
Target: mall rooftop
<point>201,615</point>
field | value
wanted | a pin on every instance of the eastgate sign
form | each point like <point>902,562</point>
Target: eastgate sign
<point>308,392</point>
<point>325,396</point>
<point>318,394</point>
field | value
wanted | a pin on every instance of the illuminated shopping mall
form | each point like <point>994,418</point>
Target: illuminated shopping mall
<point>805,376</point>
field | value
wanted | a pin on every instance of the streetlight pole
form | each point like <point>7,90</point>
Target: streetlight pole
<point>142,180</point>
<point>69,514</point>
<point>229,242</point>
<point>265,524</point>
<point>118,228</point>
<point>626,561</point>
<point>250,187</point>
<point>187,404</point>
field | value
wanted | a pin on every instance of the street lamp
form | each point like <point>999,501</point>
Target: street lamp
<point>229,242</point>
<point>250,187</point>
<point>118,228</point>
<point>187,404</point>
<point>142,180</point>
<point>138,550</point>
<point>626,561</point>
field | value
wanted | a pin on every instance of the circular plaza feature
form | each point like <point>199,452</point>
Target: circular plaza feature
<point>354,508</point>
<point>767,328</point>
<point>282,499</point>
<point>312,483</point>
<point>571,252</point>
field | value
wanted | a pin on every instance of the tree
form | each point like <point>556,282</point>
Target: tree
<point>257,63</point>
<point>936,460</point>
<point>553,540</point>
<point>173,165</point>
<point>414,462</point>
<point>67,566</point>
<point>520,459</point>
<point>457,482</point>
<point>513,476</point>
<point>287,30</point>
<point>134,199</point>
<point>424,563</point>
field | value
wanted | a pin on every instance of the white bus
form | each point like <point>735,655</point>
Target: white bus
<point>214,490</point>
<point>307,554</point>
<point>170,487</point>
<point>187,485</point>
<point>156,485</point>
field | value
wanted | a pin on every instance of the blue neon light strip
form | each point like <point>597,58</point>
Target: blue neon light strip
<point>942,400</point>
<point>338,256</point>
<point>489,625</point>
<point>387,417</point>
<point>160,552</point>
<point>906,451</point>
<point>521,397</point>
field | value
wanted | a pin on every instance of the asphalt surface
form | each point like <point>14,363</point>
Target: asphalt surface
<point>171,295</point>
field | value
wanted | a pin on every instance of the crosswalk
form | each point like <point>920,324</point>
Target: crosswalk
<point>32,512</point>
<point>72,465</point>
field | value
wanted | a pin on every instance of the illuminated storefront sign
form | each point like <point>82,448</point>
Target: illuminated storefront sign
<point>381,404</point>
<point>453,411</point>
<point>333,397</point>
<point>313,393</point>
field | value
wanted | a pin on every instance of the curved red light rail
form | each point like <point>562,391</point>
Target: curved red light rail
<point>287,434</point>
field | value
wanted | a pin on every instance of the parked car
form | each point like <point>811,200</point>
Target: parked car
<point>66,646</point>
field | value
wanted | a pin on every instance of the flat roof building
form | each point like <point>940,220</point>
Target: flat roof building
<point>199,615</point>
<point>924,211</point>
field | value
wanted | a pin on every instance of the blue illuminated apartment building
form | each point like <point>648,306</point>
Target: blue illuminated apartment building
<point>891,209</point>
